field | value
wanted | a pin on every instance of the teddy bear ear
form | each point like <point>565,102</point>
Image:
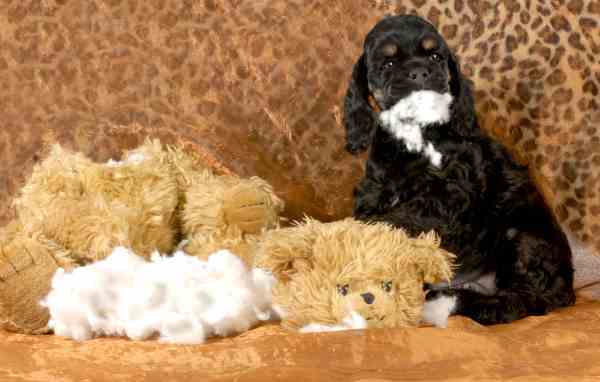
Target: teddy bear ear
<point>286,251</point>
<point>435,263</point>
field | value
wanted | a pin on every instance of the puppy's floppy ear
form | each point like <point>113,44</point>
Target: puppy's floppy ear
<point>359,118</point>
<point>463,107</point>
<point>456,76</point>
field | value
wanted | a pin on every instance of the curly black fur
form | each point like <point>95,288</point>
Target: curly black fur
<point>480,201</point>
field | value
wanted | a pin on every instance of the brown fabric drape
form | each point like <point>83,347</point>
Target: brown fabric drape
<point>256,87</point>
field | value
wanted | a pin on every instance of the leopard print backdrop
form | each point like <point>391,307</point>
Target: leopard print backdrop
<point>256,87</point>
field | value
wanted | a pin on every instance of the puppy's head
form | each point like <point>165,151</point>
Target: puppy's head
<point>403,56</point>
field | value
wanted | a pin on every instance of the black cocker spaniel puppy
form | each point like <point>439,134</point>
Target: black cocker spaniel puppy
<point>430,167</point>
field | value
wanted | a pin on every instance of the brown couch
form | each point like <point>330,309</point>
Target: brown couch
<point>255,86</point>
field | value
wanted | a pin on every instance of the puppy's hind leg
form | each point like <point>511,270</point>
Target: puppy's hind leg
<point>533,280</point>
<point>502,307</point>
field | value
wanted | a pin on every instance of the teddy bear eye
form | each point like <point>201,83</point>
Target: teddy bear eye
<point>343,289</point>
<point>386,286</point>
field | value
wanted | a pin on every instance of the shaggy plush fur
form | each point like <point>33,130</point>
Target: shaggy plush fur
<point>481,202</point>
<point>332,274</point>
<point>91,207</point>
<point>228,212</point>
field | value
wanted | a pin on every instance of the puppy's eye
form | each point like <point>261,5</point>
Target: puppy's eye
<point>343,289</point>
<point>435,57</point>
<point>386,286</point>
<point>388,64</point>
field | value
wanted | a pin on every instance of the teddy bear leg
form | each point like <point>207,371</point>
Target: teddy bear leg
<point>203,245</point>
<point>26,270</point>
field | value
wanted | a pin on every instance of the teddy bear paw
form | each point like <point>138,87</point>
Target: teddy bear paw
<point>26,270</point>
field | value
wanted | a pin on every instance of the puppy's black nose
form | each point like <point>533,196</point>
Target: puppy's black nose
<point>368,297</point>
<point>419,75</point>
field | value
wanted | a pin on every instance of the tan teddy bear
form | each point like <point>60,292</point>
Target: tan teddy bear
<point>349,274</point>
<point>73,211</point>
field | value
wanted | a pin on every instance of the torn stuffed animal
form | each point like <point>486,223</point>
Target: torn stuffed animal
<point>349,274</point>
<point>73,211</point>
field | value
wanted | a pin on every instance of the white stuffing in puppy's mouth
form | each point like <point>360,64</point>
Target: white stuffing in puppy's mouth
<point>408,116</point>
<point>182,299</point>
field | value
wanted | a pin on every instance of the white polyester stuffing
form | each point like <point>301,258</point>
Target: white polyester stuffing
<point>409,115</point>
<point>181,299</point>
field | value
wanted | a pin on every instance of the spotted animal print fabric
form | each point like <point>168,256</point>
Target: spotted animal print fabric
<point>256,87</point>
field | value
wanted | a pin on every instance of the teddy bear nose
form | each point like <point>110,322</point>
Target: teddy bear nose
<point>368,297</point>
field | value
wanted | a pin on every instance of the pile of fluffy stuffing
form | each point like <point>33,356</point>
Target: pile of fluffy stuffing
<point>179,299</point>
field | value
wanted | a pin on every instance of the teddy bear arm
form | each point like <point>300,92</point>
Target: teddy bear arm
<point>252,206</point>
<point>436,266</point>
<point>203,244</point>
<point>203,209</point>
<point>432,262</point>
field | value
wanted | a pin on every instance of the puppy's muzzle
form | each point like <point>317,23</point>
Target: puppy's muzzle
<point>419,76</point>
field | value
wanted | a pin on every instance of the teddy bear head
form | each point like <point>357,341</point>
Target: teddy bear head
<point>332,272</point>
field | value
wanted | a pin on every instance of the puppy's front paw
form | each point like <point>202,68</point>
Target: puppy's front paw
<point>438,307</point>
